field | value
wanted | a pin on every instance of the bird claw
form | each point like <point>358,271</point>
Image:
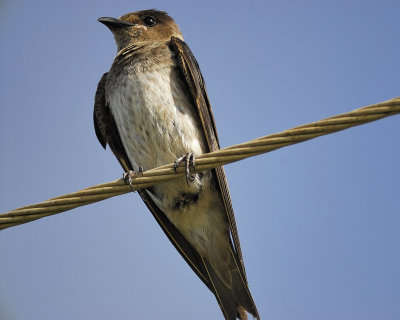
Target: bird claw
<point>128,176</point>
<point>189,159</point>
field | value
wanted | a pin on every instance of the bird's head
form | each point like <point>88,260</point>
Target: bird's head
<point>142,27</point>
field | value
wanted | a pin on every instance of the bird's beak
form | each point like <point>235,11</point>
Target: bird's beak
<point>115,23</point>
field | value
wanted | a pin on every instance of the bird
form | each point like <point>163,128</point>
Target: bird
<point>151,108</point>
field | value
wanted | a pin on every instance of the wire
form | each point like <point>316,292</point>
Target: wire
<point>203,162</point>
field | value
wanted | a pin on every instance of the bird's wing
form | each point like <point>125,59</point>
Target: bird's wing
<point>195,83</point>
<point>107,133</point>
<point>105,126</point>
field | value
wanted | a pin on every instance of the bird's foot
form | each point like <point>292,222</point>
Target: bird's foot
<point>141,170</point>
<point>128,176</point>
<point>190,160</point>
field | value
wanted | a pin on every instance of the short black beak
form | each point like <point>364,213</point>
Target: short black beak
<point>115,23</point>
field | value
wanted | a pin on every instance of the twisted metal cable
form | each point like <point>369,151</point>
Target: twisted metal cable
<point>203,162</point>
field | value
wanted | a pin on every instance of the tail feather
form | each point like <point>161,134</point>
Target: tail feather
<point>234,301</point>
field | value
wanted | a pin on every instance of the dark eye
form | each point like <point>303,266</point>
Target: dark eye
<point>149,21</point>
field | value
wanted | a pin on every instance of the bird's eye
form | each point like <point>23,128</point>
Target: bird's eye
<point>149,21</point>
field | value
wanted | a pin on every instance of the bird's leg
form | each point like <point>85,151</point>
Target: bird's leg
<point>128,176</point>
<point>190,160</point>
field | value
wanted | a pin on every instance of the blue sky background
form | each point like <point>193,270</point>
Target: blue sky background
<point>319,222</point>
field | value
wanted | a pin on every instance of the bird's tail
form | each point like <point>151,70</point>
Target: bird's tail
<point>234,299</point>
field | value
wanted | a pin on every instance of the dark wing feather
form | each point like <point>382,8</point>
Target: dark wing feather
<point>196,85</point>
<point>105,127</point>
<point>107,133</point>
<point>100,112</point>
<point>195,82</point>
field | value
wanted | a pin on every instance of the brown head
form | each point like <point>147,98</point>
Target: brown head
<point>141,27</point>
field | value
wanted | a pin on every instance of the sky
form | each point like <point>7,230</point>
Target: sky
<point>318,221</point>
